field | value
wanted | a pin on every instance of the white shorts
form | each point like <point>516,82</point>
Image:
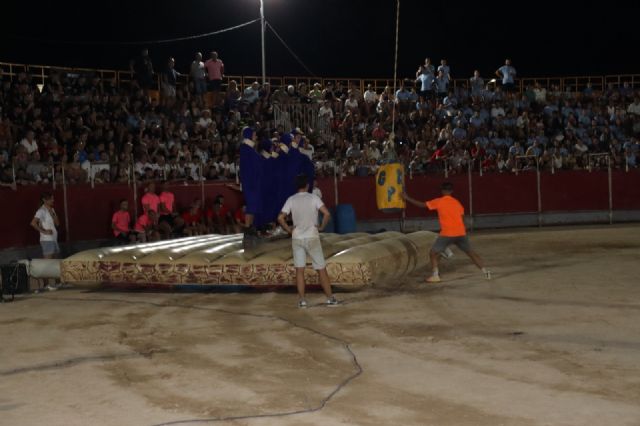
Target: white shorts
<point>308,246</point>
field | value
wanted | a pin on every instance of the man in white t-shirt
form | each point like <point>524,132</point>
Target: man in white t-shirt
<point>305,240</point>
<point>45,222</point>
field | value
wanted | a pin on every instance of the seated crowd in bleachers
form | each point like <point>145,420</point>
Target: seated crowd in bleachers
<point>103,132</point>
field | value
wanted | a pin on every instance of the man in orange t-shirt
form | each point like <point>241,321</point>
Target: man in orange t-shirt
<point>452,230</point>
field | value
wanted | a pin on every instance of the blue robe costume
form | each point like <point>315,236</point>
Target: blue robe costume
<point>250,173</point>
<point>268,183</point>
<point>300,164</point>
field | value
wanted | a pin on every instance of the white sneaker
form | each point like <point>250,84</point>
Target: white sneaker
<point>447,254</point>
<point>332,301</point>
<point>302,303</point>
<point>51,287</point>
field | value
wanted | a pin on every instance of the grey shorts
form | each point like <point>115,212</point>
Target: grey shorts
<point>311,247</point>
<point>442,243</point>
<point>49,247</point>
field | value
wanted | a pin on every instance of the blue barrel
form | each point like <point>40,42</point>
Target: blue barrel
<point>345,219</point>
<point>332,221</point>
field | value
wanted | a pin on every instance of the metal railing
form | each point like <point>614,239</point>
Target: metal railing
<point>567,84</point>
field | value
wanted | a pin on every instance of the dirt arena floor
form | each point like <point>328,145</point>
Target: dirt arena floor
<point>553,339</point>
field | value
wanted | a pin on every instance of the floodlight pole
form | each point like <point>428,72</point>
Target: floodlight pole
<point>262,26</point>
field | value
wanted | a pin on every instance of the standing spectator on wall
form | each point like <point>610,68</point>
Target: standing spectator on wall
<point>446,71</point>
<point>477,84</point>
<point>45,222</point>
<point>169,80</point>
<point>508,74</point>
<point>425,78</point>
<point>215,71</point>
<point>142,69</point>
<point>121,223</point>
<point>197,73</point>
<point>441,86</point>
<point>427,67</point>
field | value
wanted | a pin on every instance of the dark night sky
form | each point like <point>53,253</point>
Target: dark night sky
<point>335,38</point>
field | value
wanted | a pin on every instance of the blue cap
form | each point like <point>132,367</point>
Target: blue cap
<point>247,133</point>
<point>286,139</point>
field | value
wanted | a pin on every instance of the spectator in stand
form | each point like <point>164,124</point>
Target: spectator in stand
<point>215,72</point>
<point>508,74</point>
<point>427,68</point>
<point>351,103</point>
<point>426,80</point>
<point>29,143</point>
<point>477,84</point>
<point>441,86</point>
<point>634,108</point>
<point>252,93</point>
<point>168,81</point>
<point>142,69</point>
<point>446,71</point>
<point>197,73</point>
<point>121,224</point>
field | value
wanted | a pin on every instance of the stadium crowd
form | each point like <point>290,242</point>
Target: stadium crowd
<point>104,132</point>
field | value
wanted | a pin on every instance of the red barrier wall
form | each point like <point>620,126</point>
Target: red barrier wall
<point>90,209</point>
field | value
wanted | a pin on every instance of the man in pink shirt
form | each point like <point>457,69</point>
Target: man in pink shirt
<point>121,223</point>
<point>150,200</point>
<point>215,72</point>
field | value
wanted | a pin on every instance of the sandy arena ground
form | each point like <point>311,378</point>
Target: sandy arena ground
<point>553,339</point>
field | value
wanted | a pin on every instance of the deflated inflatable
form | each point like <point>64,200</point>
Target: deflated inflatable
<point>353,260</point>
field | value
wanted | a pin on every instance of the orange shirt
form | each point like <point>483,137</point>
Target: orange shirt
<point>152,200</point>
<point>167,198</point>
<point>450,213</point>
<point>121,220</point>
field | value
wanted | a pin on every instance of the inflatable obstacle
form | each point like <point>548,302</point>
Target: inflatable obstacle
<point>353,260</point>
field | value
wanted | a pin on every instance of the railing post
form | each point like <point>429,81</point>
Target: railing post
<point>610,190</point>
<point>335,181</point>
<point>135,191</point>
<point>539,193</point>
<point>66,206</point>
<point>470,196</point>
<point>202,183</point>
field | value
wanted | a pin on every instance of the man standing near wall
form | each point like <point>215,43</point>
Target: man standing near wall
<point>45,222</point>
<point>303,208</point>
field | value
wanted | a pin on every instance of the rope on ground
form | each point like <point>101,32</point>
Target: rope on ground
<point>323,402</point>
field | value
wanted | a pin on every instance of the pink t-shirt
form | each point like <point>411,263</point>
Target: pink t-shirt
<point>121,221</point>
<point>215,69</point>
<point>167,198</point>
<point>152,200</point>
<point>142,223</point>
